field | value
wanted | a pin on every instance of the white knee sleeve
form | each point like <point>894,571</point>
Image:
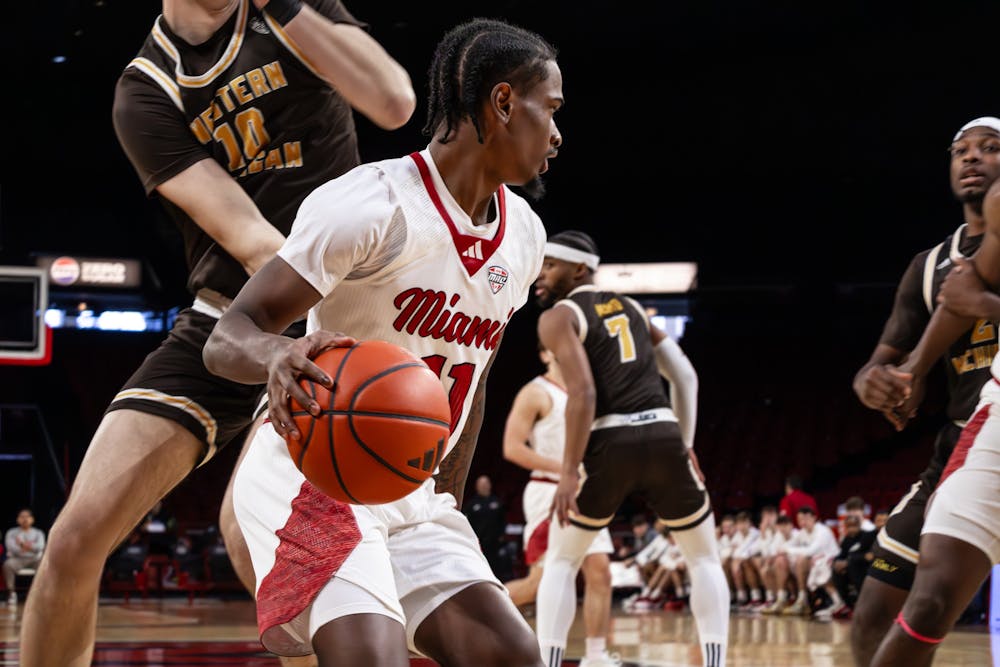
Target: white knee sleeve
<point>555,605</point>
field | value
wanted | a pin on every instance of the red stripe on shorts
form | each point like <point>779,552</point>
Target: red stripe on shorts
<point>965,442</point>
<point>315,541</point>
<point>538,543</point>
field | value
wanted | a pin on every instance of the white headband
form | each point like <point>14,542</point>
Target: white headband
<point>567,254</point>
<point>991,122</point>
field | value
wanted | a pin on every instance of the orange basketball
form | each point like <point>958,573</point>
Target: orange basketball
<point>382,430</point>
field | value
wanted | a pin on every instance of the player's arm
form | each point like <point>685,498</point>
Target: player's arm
<point>558,331</point>
<point>674,365</point>
<point>454,469</point>
<point>349,59</point>
<point>529,406</point>
<point>170,161</point>
<point>218,205</point>
<point>247,346</point>
<point>981,273</point>
<point>877,384</point>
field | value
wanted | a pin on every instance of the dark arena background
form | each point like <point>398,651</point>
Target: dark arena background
<point>797,153</point>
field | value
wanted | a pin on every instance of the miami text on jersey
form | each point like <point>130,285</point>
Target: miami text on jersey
<point>423,312</point>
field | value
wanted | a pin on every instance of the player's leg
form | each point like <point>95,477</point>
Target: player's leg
<point>556,604</point>
<point>361,640</point>
<point>236,546</point>
<point>709,598</point>
<point>896,551</point>
<point>229,527</point>
<point>596,605</point>
<point>681,502</point>
<point>739,583</point>
<point>799,572</point>
<point>477,627</point>
<point>940,594</point>
<point>134,460</point>
<point>962,526</point>
<point>524,590</point>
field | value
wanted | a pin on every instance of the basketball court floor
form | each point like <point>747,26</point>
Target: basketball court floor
<point>172,633</point>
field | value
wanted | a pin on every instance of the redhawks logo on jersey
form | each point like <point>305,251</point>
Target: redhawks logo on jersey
<point>498,278</point>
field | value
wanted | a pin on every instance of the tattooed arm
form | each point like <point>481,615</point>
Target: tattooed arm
<point>454,470</point>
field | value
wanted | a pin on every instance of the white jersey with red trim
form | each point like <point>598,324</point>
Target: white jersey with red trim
<point>395,258</point>
<point>548,435</point>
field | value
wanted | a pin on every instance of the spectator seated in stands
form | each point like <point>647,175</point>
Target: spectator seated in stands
<point>855,506</point>
<point>810,556</point>
<point>127,560</point>
<point>668,570</point>
<point>642,534</point>
<point>24,544</point>
<point>647,563</point>
<point>880,518</point>
<point>758,561</point>
<point>776,565</point>
<point>851,564</point>
<point>745,577</point>
<point>726,536</point>
<point>159,530</point>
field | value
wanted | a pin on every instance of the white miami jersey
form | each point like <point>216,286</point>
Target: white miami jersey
<point>548,435</point>
<point>395,258</point>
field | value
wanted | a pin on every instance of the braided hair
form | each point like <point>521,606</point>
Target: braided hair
<point>470,60</point>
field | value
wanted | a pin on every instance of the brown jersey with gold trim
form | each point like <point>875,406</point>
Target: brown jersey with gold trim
<point>615,334</point>
<point>247,98</point>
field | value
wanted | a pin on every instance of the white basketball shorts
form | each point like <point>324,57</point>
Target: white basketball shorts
<point>317,559</point>
<point>966,505</point>
<point>536,502</point>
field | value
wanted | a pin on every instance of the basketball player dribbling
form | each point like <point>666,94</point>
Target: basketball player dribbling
<point>629,437</point>
<point>434,253</point>
<point>967,368</point>
<point>960,539</point>
<point>231,114</point>
<point>534,438</point>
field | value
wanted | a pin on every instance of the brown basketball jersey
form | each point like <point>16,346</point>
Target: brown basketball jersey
<point>615,334</point>
<point>967,364</point>
<point>247,98</point>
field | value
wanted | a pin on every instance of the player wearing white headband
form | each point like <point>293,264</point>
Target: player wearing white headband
<point>974,165</point>
<point>960,539</point>
<point>630,438</point>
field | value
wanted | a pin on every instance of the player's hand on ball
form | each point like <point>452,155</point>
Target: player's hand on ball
<point>962,290</point>
<point>286,367</point>
<point>565,498</point>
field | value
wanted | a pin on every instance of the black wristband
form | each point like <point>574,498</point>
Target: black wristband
<point>283,11</point>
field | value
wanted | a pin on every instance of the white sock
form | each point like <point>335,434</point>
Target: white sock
<point>597,647</point>
<point>782,595</point>
<point>679,591</point>
<point>645,592</point>
<point>835,598</point>
<point>555,604</point>
<point>755,595</point>
<point>769,596</point>
<point>801,597</point>
<point>709,590</point>
<point>741,596</point>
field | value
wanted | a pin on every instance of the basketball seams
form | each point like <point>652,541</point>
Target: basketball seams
<point>354,431</point>
<point>329,426</point>
<point>381,420</point>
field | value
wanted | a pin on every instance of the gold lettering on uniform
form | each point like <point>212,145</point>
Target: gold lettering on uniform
<point>608,307</point>
<point>206,118</point>
<point>293,154</point>
<point>258,84</point>
<point>982,332</point>
<point>257,164</point>
<point>275,75</point>
<point>199,130</point>
<point>216,112</point>
<point>273,160</point>
<point>227,99</point>
<point>239,86</point>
